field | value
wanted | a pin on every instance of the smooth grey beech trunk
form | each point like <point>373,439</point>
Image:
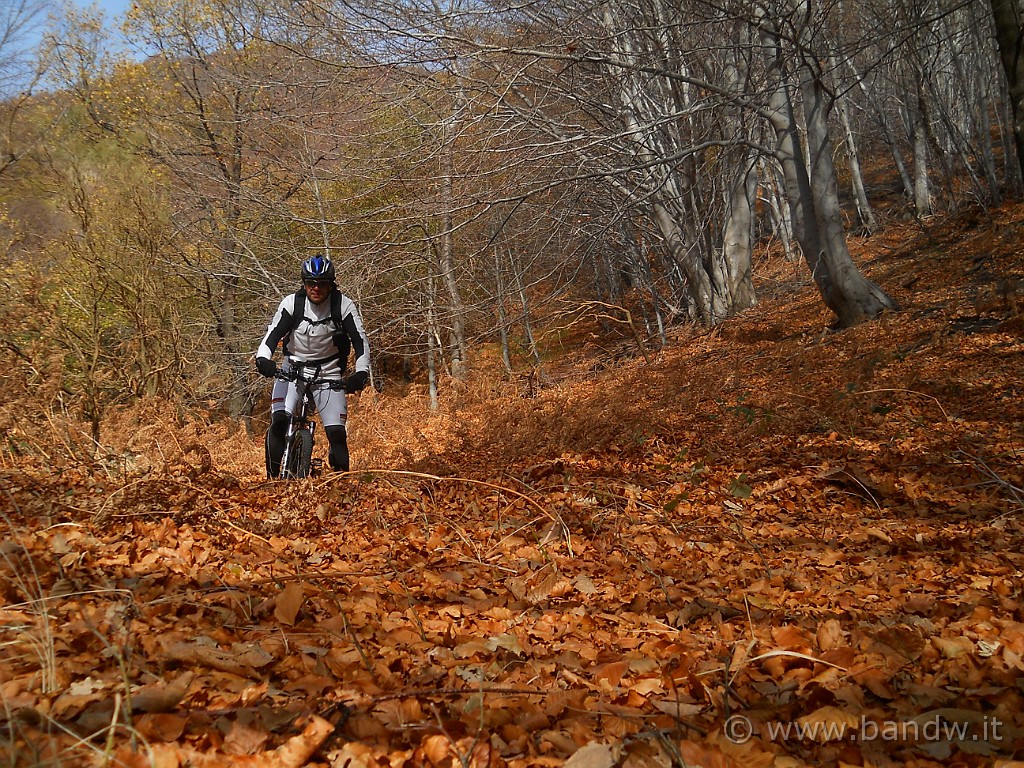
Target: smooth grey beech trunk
<point>812,193</point>
<point>738,238</point>
<point>922,196</point>
<point>738,232</point>
<point>446,259</point>
<point>852,296</point>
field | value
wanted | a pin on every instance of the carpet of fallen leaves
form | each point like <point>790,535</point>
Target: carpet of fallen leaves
<point>764,545</point>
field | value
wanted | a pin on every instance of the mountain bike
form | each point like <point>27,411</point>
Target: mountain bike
<point>297,460</point>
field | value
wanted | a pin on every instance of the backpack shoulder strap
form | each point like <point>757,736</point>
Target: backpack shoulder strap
<point>299,310</point>
<point>336,309</point>
<point>341,340</point>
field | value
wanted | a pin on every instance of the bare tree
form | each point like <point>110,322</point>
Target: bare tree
<point>1009,32</point>
<point>21,69</point>
<point>21,22</point>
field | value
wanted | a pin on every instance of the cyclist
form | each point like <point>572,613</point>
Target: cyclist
<point>318,326</point>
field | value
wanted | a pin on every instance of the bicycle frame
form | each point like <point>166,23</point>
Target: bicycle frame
<point>297,460</point>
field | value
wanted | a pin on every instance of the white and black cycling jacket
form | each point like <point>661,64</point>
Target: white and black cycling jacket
<point>316,339</point>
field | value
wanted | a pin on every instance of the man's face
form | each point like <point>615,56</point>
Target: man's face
<point>317,290</point>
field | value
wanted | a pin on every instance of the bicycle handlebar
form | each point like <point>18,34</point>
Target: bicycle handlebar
<point>338,385</point>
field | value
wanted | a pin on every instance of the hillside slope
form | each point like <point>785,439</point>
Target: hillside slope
<point>767,545</point>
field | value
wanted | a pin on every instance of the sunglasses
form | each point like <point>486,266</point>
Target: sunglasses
<point>320,284</point>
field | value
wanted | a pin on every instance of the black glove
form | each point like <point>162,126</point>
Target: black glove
<point>357,381</point>
<point>266,366</point>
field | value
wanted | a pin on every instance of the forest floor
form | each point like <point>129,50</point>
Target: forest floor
<point>764,545</point>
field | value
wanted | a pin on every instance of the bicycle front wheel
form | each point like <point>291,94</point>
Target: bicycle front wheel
<point>300,454</point>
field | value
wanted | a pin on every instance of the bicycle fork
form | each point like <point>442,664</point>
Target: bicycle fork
<point>297,422</point>
<point>295,425</point>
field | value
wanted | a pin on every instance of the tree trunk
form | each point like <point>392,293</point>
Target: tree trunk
<point>702,294</point>
<point>814,197</point>
<point>738,238</point>
<point>797,187</point>
<point>447,262</point>
<point>531,342</point>
<point>854,298</point>
<point>778,212</point>
<point>887,131</point>
<point>432,333</point>
<point>644,276</point>
<point>738,229</point>
<point>922,197</point>
<point>1012,176</point>
<point>1010,39</point>
<point>988,155</point>
<point>499,282</point>
<point>867,218</point>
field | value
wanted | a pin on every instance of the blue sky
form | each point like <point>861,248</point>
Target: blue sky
<point>20,52</point>
<point>112,11</point>
<point>14,79</point>
<point>111,8</point>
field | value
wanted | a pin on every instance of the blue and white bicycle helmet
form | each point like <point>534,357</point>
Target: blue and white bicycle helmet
<point>318,268</point>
